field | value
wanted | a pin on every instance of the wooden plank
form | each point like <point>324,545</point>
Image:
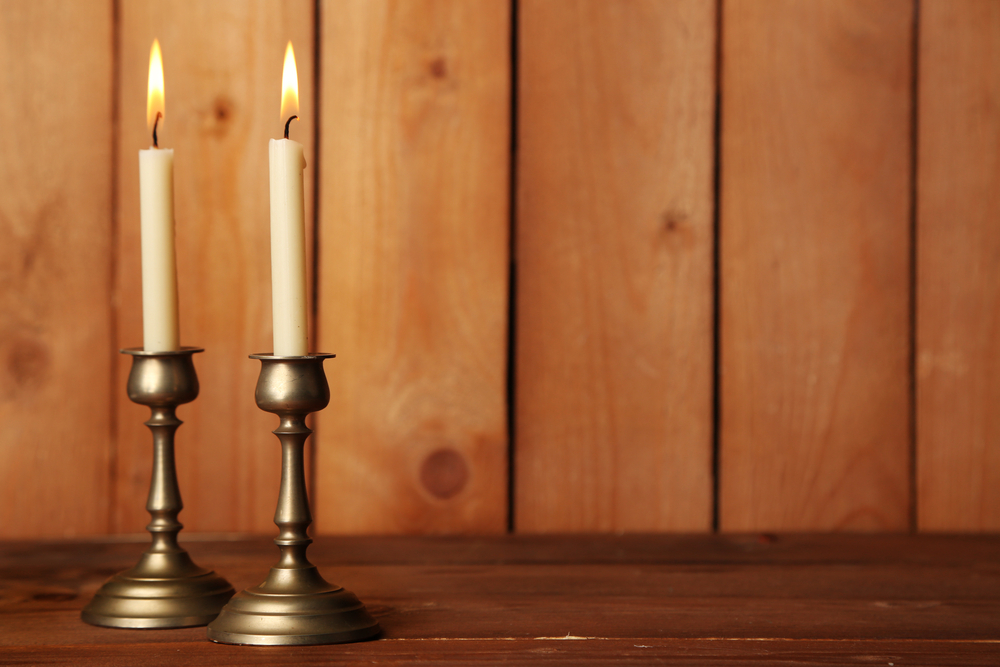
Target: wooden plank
<point>614,266</point>
<point>845,551</point>
<point>222,65</point>
<point>910,594</point>
<point>814,253</point>
<point>55,251</point>
<point>958,277</point>
<point>414,254</point>
<point>582,652</point>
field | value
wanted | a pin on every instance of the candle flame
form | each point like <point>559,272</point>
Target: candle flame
<point>154,95</point>
<point>289,85</point>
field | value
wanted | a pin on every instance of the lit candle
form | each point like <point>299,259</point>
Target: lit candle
<point>156,210</point>
<point>288,232</point>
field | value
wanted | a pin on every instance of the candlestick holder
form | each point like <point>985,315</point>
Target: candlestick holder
<point>294,605</point>
<point>165,589</point>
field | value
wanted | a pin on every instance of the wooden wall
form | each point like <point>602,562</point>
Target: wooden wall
<point>587,265</point>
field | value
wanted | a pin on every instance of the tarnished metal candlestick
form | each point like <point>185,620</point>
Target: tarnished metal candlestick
<point>294,605</point>
<point>165,589</point>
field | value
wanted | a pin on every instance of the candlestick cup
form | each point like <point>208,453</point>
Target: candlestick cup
<point>294,605</point>
<point>165,589</point>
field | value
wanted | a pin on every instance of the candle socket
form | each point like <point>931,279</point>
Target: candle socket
<point>294,605</point>
<point>165,589</point>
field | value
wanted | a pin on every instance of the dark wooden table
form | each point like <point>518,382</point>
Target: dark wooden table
<point>580,600</point>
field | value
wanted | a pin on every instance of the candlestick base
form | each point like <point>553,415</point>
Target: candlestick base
<point>294,605</point>
<point>161,591</point>
<point>165,589</point>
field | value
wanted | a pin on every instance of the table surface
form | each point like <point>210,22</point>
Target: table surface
<point>574,600</point>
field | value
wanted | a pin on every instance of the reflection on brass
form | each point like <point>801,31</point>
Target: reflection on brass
<point>165,589</point>
<point>294,605</point>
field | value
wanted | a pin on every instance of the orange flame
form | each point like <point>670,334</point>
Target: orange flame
<point>289,85</point>
<point>154,95</point>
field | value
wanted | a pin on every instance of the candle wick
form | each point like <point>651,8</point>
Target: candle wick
<point>156,122</point>
<point>289,123</point>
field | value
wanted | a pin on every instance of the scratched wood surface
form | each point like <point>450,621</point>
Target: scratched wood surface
<point>222,63</point>
<point>703,600</point>
<point>814,265</point>
<point>958,275</point>
<point>413,247</point>
<point>613,389</point>
<point>56,73</point>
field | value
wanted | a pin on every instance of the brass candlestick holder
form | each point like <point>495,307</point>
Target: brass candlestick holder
<point>165,589</point>
<point>294,605</point>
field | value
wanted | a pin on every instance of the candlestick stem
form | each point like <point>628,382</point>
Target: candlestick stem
<point>164,503</point>
<point>292,515</point>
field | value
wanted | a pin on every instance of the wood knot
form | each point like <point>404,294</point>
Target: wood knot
<point>444,473</point>
<point>438,68</point>
<point>220,115</point>
<point>223,109</point>
<point>673,219</point>
<point>27,361</point>
<point>674,231</point>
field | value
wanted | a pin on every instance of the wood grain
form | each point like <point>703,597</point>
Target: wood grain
<point>580,653</point>
<point>710,552</point>
<point>414,254</point>
<point>814,253</point>
<point>222,64</point>
<point>813,599</point>
<point>614,266</point>
<point>55,252</point>
<point>958,274</point>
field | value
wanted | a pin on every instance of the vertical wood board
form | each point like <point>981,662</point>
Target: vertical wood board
<point>614,266</point>
<point>55,276</point>
<point>413,254</point>
<point>958,267</point>
<point>222,74</point>
<point>814,254</point>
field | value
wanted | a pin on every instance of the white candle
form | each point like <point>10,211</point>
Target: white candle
<point>156,211</point>
<point>288,232</point>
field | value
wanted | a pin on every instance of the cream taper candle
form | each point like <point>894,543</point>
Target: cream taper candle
<point>288,232</point>
<point>156,211</point>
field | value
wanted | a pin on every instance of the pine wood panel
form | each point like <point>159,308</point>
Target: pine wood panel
<point>814,249</point>
<point>222,63</point>
<point>55,251</point>
<point>414,253</point>
<point>958,297</point>
<point>614,266</point>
